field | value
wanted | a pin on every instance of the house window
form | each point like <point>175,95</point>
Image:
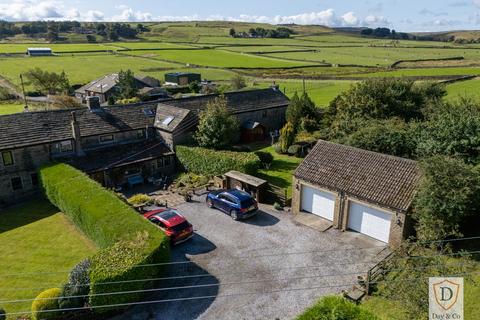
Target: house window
<point>34,178</point>
<point>159,163</point>
<point>17,183</point>
<point>106,138</point>
<point>7,157</point>
<point>264,113</point>
<point>66,146</point>
<point>166,161</point>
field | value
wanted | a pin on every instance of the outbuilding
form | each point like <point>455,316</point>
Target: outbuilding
<point>358,190</point>
<point>39,52</point>
<point>182,78</point>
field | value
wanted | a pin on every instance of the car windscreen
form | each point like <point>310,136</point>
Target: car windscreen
<point>167,215</point>
<point>247,203</point>
<point>180,227</point>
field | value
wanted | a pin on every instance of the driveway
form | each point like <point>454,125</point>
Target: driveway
<point>268,267</point>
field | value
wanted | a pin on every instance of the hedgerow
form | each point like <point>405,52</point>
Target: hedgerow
<point>126,239</point>
<point>213,162</point>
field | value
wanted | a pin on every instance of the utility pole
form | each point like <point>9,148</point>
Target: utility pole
<point>304,85</point>
<point>23,91</point>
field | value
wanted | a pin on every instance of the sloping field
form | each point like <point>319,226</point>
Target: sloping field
<point>218,58</point>
<point>375,56</point>
<point>421,72</point>
<point>469,89</point>
<point>81,68</point>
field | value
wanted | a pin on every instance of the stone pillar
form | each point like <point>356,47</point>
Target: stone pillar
<point>77,135</point>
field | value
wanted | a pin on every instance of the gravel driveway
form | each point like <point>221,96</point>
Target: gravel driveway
<point>257,269</point>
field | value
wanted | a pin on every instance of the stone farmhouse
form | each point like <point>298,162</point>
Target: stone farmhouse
<point>114,143</point>
<point>355,189</point>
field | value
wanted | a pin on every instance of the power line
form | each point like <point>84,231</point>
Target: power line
<point>219,284</point>
<point>222,296</point>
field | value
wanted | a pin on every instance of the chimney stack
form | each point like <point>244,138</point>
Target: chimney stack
<point>93,103</point>
<point>76,135</point>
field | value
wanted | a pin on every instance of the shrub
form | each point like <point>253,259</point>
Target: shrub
<point>211,162</point>
<point>277,206</point>
<point>278,148</point>
<point>287,136</point>
<point>46,300</point>
<point>295,150</point>
<point>336,308</point>
<point>77,285</point>
<point>87,204</point>
<point>3,314</point>
<point>266,158</point>
<point>190,180</point>
<point>139,199</point>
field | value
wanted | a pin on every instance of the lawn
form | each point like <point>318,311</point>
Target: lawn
<point>281,170</point>
<point>218,58</point>
<point>321,92</point>
<point>7,107</point>
<point>82,68</point>
<point>470,88</point>
<point>36,239</point>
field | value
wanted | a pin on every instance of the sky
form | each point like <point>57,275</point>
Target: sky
<point>401,15</point>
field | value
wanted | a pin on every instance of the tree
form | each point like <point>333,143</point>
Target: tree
<point>64,102</point>
<point>52,32</point>
<point>91,38</point>
<point>126,85</point>
<point>446,197</point>
<point>392,136</point>
<point>48,82</point>
<point>232,33</point>
<point>194,87</point>
<point>287,137</point>
<point>217,128</point>
<point>238,82</point>
<point>294,111</point>
<point>452,129</point>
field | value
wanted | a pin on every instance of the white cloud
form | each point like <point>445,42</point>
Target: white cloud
<point>29,10</point>
<point>476,2</point>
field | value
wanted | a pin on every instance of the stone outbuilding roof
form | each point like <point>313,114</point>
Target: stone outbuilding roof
<point>370,176</point>
<point>237,102</point>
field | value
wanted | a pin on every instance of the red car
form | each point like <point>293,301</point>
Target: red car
<point>172,223</point>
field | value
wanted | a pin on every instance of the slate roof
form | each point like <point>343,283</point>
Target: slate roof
<point>120,155</point>
<point>237,102</point>
<point>31,128</point>
<point>109,81</point>
<point>168,117</point>
<point>374,177</point>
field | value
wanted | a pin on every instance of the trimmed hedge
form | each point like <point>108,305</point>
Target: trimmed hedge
<point>46,300</point>
<point>213,162</point>
<point>125,237</point>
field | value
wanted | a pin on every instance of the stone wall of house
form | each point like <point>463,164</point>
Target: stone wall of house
<point>272,119</point>
<point>26,162</point>
<point>400,224</point>
<point>109,139</point>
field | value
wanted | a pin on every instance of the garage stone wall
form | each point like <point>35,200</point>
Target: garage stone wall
<point>398,231</point>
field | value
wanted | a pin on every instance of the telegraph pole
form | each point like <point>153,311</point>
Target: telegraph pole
<point>304,85</point>
<point>23,91</point>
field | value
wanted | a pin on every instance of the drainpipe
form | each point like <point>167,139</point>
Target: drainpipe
<point>76,135</point>
<point>341,215</point>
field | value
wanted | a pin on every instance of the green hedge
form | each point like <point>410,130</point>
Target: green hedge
<point>125,237</point>
<point>213,162</point>
<point>336,308</point>
<point>46,300</point>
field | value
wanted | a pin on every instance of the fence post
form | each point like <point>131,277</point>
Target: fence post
<point>367,282</point>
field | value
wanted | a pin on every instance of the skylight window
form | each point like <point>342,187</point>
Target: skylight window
<point>168,120</point>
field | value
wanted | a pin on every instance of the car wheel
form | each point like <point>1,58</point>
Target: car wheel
<point>234,215</point>
<point>209,203</point>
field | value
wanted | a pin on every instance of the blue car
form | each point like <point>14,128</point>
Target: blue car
<point>238,204</point>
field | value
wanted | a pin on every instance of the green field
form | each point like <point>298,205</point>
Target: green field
<point>421,72</point>
<point>218,58</point>
<point>82,68</point>
<point>36,239</point>
<point>470,88</point>
<point>9,107</point>
<point>375,56</point>
<point>21,48</point>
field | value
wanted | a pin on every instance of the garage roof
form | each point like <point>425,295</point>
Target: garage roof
<point>374,177</point>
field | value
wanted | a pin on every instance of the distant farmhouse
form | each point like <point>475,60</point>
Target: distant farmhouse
<point>182,78</point>
<point>107,86</point>
<point>117,143</point>
<point>39,52</point>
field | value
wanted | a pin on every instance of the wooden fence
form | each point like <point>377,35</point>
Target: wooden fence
<point>376,273</point>
<point>274,193</point>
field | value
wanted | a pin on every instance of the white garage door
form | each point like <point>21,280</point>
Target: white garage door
<point>318,202</point>
<point>372,222</point>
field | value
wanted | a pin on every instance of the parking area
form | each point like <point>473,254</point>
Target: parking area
<point>267,267</point>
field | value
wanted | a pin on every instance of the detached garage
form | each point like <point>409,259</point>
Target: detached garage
<point>358,190</point>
